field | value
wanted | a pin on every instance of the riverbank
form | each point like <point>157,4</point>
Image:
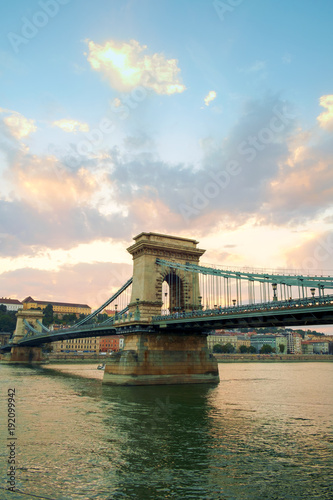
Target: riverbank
<point>271,358</point>
<point>221,358</point>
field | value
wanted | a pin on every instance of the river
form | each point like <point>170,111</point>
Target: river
<point>264,432</point>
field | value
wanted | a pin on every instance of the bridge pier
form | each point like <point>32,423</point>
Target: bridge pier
<point>151,358</point>
<point>25,354</point>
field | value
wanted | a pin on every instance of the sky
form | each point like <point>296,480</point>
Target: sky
<point>210,120</point>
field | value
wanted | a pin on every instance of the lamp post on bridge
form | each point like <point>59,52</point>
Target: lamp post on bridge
<point>274,286</point>
<point>312,290</point>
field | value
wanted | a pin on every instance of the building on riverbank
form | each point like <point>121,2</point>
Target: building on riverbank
<point>274,341</point>
<point>111,343</point>
<point>77,346</point>
<point>59,308</point>
<point>11,304</point>
<point>223,337</point>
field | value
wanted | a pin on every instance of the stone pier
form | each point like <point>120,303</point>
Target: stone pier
<point>25,354</point>
<point>162,358</point>
<point>153,357</point>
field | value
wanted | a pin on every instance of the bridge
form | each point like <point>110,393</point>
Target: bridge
<point>169,306</point>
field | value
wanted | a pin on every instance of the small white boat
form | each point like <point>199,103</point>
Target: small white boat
<point>101,367</point>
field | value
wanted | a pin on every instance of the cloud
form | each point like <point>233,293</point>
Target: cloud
<point>71,126</point>
<point>17,125</point>
<point>314,256</point>
<point>43,182</point>
<point>90,284</point>
<point>125,67</point>
<point>303,186</point>
<point>266,171</point>
<point>210,97</point>
<point>24,230</point>
<point>325,119</point>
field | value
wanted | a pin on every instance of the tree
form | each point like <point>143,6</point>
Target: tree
<point>7,320</point>
<point>252,349</point>
<point>69,318</point>
<point>101,317</point>
<point>266,349</point>
<point>243,349</point>
<point>282,347</point>
<point>217,348</point>
<point>228,348</point>
<point>48,315</point>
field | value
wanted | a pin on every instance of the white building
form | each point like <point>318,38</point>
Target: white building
<point>320,347</point>
<point>294,340</point>
<point>11,304</point>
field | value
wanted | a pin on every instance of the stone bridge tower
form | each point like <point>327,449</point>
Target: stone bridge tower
<point>156,356</point>
<point>20,354</point>
<point>148,277</point>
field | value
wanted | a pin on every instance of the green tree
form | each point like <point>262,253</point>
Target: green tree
<point>243,349</point>
<point>69,318</point>
<point>48,315</point>
<point>252,349</point>
<point>266,349</point>
<point>7,320</point>
<point>217,348</point>
<point>228,348</point>
<point>281,348</point>
<point>101,317</point>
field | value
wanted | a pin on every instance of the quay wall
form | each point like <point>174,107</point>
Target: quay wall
<point>268,358</point>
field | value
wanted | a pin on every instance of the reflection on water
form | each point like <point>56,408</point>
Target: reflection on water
<point>263,433</point>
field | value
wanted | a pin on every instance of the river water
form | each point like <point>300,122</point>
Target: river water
<point>264,432</point>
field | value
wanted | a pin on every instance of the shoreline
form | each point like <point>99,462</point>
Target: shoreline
<point>268,358</point>
<point>220,358</point>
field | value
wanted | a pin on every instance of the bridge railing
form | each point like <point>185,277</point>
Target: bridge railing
<point>289,304</point>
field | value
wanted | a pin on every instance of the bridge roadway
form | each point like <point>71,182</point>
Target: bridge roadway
<point>317,311</point>
<point>301,312</point>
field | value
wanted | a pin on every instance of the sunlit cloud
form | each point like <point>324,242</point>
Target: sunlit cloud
<point>71,126</point>
<point>126,67</point>
<point>313,253</point>
<point>92,283</point>
<point>17,124</point>
<point>44,183</point>
<point>210,97</point>
<point>325,119</point>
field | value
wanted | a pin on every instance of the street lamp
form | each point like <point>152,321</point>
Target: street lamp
<point>234,302</point>
<point>312,290</point>
<point>274,286</point>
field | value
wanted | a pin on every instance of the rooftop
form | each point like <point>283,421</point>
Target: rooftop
<point>9,301</point>
<point>46,302</point>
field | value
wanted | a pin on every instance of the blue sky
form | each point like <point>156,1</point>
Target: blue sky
<point>205,119</point>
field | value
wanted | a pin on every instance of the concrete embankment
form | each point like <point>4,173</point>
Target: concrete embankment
<point>268,358</point>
